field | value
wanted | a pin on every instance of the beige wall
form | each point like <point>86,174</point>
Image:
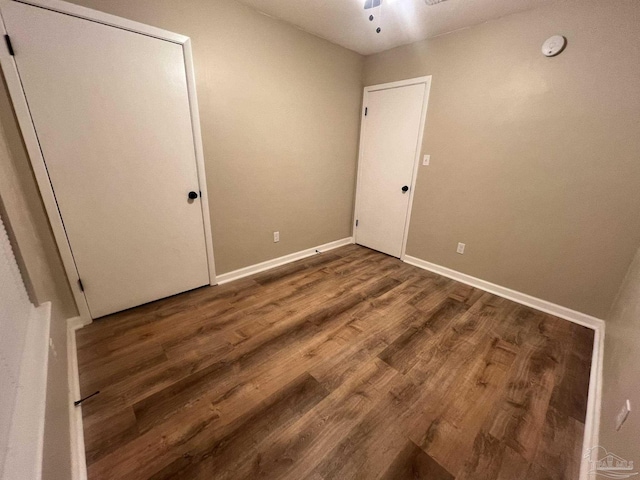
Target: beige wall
<point>39,259</point>
<point>534,161</point>
<point>622,369</point>
<point>280,117</point>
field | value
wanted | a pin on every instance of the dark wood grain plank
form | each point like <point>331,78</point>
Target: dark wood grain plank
<point>222,457</point>
<point>412,463</point>
<point>347,364</point>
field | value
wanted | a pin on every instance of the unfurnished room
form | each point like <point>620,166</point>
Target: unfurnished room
<point>301,239</point>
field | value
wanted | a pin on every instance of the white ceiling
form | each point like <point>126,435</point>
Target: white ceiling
<point>346,22</point>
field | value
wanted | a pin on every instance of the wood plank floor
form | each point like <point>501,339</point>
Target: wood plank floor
<point>348,364</point>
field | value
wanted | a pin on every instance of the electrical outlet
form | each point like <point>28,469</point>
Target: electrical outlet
<point>426,159</point>
<point>461,247</point>
<point>623,414</point>
<point>276,237</point>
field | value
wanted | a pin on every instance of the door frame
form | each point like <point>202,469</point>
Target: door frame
<point>426,80</point>
<point>34,152</point>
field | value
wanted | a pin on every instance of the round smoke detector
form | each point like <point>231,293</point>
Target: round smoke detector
<point>553,45</point>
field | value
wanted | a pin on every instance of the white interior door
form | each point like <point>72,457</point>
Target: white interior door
<point>389,146</point>
<point>111,112</point>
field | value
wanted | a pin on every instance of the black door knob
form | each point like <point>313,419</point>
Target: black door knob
<point>405,189</point>
<point>193,195</point>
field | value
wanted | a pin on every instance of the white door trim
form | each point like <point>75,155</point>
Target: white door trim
<point>386,86</point>
<point>27,128</point>
<point>76,429</point>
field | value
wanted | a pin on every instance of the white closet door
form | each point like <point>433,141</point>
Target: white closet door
<point>389,146</point>
<point>111,112</point>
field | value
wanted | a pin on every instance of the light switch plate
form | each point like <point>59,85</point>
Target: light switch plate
<point>426,159</point>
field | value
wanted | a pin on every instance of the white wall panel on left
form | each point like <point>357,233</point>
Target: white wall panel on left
<point>15,309</point>
<point>23,371</point>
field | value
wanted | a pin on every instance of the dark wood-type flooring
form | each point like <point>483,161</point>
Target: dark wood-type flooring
<point>348,364</point>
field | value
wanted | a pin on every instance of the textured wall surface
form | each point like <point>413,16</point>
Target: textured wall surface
<point>15,309</point>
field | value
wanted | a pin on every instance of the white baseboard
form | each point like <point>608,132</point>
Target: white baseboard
<point>518,297</point>
<point>594,403</point>
<point>78,459</point>
<point>592,421</point>
<point>276,262</point>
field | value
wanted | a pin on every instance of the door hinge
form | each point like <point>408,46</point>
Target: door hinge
<point>80,285</point>
<point>356,223</point>
<point>366,109</point>
<point>7,39</point>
